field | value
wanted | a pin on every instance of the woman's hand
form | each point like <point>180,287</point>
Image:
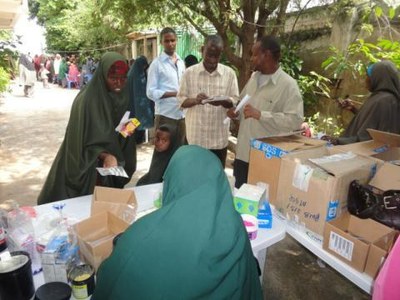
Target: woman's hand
<point>108,159</point>
<point>332,140</point>
<point>348,104</point>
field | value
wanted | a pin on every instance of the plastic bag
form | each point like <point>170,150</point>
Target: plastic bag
<point>21,234</point>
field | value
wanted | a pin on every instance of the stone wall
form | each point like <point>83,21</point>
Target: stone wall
<point>315,31</point>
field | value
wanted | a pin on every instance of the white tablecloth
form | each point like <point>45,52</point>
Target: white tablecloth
<point>79,208</point>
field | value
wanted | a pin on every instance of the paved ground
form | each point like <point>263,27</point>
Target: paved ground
<point>31,131</point>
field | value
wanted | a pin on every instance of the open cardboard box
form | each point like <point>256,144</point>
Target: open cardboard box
<point>313,185</point>
<point>120,202</point>
<point>96,234</point>
<point>378,252</point>
<point>384,146</point>
<point>265,158</point>
<point>349,238</point>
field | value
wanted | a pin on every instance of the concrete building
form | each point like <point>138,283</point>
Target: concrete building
<point>10,11</point>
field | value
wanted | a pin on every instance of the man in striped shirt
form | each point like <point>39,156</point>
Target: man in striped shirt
<point>207,90</point>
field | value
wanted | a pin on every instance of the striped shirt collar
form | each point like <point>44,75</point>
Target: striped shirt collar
<point>217,71</point>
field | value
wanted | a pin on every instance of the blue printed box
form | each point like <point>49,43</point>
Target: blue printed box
<point>264,215</point>
<point>266,155</point>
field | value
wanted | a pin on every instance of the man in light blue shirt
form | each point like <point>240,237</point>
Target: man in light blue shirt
<point>163,79</point>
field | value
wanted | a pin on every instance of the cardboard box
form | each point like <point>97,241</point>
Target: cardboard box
<point>387,178</point>
<point>95,236</point>
<point>313,185</point>
<point>349,238</point>
<point>120,202</point>
<point>265,158</point>
<point>378,252</point>
<point>383,146</point>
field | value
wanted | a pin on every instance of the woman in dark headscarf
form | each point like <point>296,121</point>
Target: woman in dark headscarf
<point>91,139</point>
<point>165,145</point>
<point>62,73</point>
<point>27,74</point>
<point>194,247</point>
<point>139,105</point>
<point>381,111</point>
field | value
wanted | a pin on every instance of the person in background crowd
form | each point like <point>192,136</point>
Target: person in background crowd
<point>190,60</point>
<point>90,139</point>
<point>49,67</point>
<point>27,75</point>
<point>275,106</point>
<point>205,122</point>
<point>163,80</point>
<point>381,111</point>
<point>73,73</point>
<point>194,247</point>
<point>140,106</point>
<point>56,65</point>
<point>44,76</point>
<point>165,145</point>
<point>37,60</point>
<point>62,75</point>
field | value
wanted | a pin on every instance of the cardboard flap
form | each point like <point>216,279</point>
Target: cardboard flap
<point>387,178</point>
<point>273,146</point>
<point>99,225</point>
<point>124,211</point>
<point>391,139</point>
<point>120,202</point>
<point>368,229</point>
<point>114,195</point>
<point>95,236</point>
<point>342,163</point>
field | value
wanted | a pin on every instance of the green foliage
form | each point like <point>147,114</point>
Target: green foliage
<point>74,25</point>
<point>4,80</point>
<point>312,86</point>
<point>327,125</point>
<point>8,56</point>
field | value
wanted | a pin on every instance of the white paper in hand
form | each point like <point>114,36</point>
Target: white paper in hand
<point>241,104</point>
<point>113,171</point>
<point>125,119</point>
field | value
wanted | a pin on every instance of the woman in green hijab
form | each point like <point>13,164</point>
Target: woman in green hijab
<point>90,139</point>
<point>194,247</point>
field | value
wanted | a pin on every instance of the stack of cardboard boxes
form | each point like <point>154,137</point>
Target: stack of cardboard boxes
<point>309,185</point>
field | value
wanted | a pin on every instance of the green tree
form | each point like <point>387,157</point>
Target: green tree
<point>241,19</point>
<point>73,25</point>
<point>8,57</point>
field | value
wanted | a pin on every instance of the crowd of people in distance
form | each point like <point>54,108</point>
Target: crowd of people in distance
<point>69,71</point>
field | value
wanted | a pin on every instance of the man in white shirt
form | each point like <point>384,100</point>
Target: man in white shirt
<point>275,104</point>
<point>209,80</point>
<point>163,79</point>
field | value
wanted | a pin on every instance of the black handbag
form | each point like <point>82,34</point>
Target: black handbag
<point>364,202</point>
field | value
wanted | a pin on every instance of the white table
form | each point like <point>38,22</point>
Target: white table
<point>314,244</point>
<point>79,208</point>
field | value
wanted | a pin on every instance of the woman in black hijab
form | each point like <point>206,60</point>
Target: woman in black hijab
<point>381,111</point>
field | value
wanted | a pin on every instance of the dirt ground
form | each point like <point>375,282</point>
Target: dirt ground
<point>31,132</point>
